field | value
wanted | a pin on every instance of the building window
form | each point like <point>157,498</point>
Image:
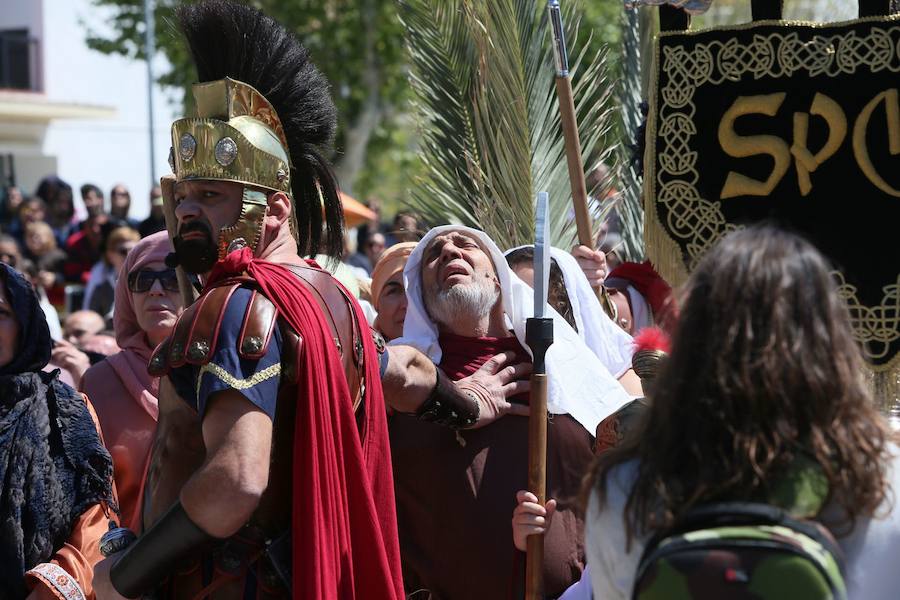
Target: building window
<point>18,60</point>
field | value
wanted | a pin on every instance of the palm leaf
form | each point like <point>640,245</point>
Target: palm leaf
<point>482,72</point>
<point>629,204</point>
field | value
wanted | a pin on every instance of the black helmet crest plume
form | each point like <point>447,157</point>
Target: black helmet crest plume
<point>228,39</point>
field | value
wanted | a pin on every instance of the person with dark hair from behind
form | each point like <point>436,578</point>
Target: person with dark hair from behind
<point>156,221</point>
<point>764,389</point>
<point>57,493</point>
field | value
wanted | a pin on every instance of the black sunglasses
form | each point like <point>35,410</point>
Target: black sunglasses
<point>142,281</point>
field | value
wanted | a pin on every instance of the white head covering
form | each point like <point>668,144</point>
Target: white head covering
<point>640,310</point>
<point>579,384</point>
<point>609,342</point>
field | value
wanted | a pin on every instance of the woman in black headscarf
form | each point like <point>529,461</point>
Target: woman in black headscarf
<point>56,476</point>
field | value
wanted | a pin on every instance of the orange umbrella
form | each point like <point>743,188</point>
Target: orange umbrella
<point>355,212</point>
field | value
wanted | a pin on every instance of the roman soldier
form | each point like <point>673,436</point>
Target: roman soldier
<point>271,471</point>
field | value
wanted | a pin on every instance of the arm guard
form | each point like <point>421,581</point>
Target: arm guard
<point>154,555</point>
<point>447,405</point>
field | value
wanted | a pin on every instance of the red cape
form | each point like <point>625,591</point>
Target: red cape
<point>344,539</point>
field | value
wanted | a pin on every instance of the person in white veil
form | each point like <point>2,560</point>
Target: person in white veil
<point>580,384</point>
<point>455,490</point>
<point>576,297</point>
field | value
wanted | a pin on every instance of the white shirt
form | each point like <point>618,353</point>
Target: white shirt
<point>871,550</point>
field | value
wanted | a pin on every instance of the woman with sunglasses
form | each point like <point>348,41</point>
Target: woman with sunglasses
<point>147,305</point>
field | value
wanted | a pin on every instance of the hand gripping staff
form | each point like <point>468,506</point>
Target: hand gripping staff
<point>538,336</point>
<point>573,143</point>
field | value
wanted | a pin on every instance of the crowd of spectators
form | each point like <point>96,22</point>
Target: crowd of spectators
<point>73,254</point>
<point>72,257</point>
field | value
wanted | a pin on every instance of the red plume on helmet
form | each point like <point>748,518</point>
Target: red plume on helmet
<point>651,346</point>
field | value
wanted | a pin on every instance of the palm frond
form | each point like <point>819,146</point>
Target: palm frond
<point>483,75</point>
<point>629,204</point>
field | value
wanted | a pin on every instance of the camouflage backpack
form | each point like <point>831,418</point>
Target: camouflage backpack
<point>748,551</point>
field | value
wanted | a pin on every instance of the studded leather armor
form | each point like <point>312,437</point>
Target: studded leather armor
<point>178,448</point>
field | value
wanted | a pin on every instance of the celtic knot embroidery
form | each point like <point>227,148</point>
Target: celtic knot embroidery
<point>735,60</point>
<point>678,157</point>
<point>876,326</point>
<point>698,223</point>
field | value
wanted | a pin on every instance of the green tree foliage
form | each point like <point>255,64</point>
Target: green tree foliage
<point>356,43</point>
<point>484,80</point>
<point>359,45</point>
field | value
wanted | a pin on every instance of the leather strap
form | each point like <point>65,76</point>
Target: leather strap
<point>204,331</point>
<point>256,331</point>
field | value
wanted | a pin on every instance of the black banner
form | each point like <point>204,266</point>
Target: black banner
<point>797,123</point>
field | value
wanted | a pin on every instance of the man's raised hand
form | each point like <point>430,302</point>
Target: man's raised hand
<point>592,263</point>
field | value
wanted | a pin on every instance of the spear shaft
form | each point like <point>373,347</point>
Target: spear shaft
<point>572,141</point>
<point>538,337</point>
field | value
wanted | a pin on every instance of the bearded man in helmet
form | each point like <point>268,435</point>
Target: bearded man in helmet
<point>271,472</point>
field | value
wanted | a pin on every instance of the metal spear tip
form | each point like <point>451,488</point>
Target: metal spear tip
<point>560,54</point>
<point>541,252</point>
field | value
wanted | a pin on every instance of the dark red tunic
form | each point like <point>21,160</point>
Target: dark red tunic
<point>456,494</point>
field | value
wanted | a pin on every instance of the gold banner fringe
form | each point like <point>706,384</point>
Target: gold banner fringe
<point>663,252</point>
<point>885,386</point>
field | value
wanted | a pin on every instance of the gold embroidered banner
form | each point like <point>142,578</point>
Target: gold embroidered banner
<point>792,122</point>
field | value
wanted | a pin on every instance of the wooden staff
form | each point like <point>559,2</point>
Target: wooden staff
<point>167,184</point>
<point>537,482</point>
<point>573,143</point>
<point>538,337</point>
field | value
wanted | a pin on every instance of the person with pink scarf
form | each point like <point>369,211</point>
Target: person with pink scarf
<point>123,393</point>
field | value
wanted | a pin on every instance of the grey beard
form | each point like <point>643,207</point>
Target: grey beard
<point>475,301</point>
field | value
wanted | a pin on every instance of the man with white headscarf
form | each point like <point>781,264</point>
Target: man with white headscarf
<point>456,490</point>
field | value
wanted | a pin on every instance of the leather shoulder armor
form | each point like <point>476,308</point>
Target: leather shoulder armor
<point>194,337</point>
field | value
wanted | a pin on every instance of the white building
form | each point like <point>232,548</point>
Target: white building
<point>72,111</point>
